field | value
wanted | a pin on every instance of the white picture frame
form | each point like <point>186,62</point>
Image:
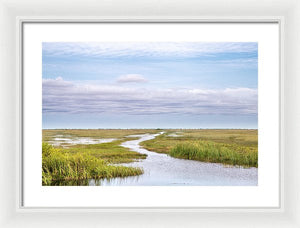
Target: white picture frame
<point>286,216</point>
<point>266,195</point>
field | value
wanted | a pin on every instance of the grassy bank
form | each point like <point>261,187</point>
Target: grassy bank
<point>207,151</point>
<point>63,165</point>
<point>110,152</point>
<point>73,164</point>
<point>232,147</point>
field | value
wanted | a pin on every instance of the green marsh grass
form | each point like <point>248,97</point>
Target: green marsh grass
<point>69,164</point>
<point>59,165</point>
<point>227,146</point>
<point>231,154</point>
<point>65,163</point>
<point>110,152</point>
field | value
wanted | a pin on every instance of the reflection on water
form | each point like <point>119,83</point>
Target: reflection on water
<point>114,181</point>
<point>163,170</point>
<point>70,183</point>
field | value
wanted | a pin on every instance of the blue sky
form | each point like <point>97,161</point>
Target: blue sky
<point>150,85</point>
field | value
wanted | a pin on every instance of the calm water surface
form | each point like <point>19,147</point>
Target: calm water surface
<point>163,170</point>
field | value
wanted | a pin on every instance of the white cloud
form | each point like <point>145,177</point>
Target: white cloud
<point>129,78</point>
<point>60,96</point>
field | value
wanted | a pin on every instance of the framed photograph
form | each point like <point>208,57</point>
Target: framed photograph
<point>145,114</point>
<point>186,112</point>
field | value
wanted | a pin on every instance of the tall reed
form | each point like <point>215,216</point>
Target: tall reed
<point>58,165</point>
<point>207,151</point>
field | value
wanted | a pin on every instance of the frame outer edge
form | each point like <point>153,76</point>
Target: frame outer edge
<point>19,171</point>
<point>281,112</point>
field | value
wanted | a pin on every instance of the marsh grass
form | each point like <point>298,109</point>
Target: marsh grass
<point>231,154</point>
<point>59,165</point>
<point>67,164</point>
<point>227,146</point>
<point>110,152</point>
<point>75,164</point>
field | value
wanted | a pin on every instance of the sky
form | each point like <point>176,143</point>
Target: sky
<point>150,85</point>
